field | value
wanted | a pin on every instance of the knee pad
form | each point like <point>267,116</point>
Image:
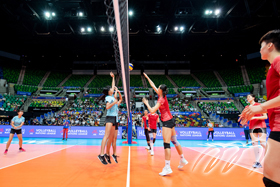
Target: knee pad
<point>269,183</point>
<point>175,141</point>
<point>151,136</point>
<point>166,145</point>
<point>154,140</point>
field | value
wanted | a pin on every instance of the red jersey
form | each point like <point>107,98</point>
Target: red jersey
<point>273,90</point>
<point>145,122</point>
<point>256,123</point>
<point>153,118</point>
<point>164,109</point>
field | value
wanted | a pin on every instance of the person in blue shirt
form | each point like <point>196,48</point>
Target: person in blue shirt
<point>16,123</point>
<point>247,133</point>
<point>111,117</point>
<point>114,134</point>
<point>66,125</point>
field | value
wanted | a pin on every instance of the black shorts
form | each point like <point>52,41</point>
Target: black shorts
<point>275,135</point>
<point>111,119</point>
<point>169,124</point>
<point>15,131</point>
<point>258,130</point>
<point>153,131</point>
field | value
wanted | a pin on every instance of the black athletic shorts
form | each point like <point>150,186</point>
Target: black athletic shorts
<point>258,130</point>
<point>153,131</point>
<point>169,124</point>
<point>15,131</point>
<point>275,135</point>
<point>111,119</point>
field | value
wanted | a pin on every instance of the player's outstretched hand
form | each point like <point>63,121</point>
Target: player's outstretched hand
<point>145,101</point>
<point>112,74</point>
<point>146,75</point>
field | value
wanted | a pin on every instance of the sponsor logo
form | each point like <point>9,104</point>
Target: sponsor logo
<point>1,130</point>
<point>94,132</point>
<point>159,134</point>
<point>22,131</point>
<point>224,134</point>
<point>141,133</point>
<point>101,132</point>
<point>233,158</point>
<point>46,131</point>
<point>79,132</point>
<point>242,133</point>
<point>31,131</point>
<point>7,131</point>
<point>191,133</point>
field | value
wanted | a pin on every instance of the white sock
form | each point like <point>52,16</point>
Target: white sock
<point>167,163</point>
<point>152,146</point>
<point>182,156</point>
<point>257,153</point>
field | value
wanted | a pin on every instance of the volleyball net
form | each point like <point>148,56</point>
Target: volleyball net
<point>117,12</point>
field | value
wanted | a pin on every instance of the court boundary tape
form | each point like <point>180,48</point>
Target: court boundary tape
<point>128,170</point>
<point>227,161</point>
<point>37,157</point>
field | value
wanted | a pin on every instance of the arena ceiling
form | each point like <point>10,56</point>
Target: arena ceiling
<point>159,30</point>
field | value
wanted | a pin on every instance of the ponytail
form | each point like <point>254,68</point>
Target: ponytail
<point>163,87</point>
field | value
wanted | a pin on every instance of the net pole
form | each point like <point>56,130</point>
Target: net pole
<point>124,69</point>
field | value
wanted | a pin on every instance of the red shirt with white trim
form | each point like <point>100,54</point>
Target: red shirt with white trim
<point>257,123</point>
<point>153,118</point>
<point>164,109</point>
<point>273,90</point>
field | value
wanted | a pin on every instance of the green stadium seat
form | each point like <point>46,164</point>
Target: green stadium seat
<point>26,88</point>
<point>11,75</point>
<point>77,80</point>
<point>256,74</point>
<point>54,79</point>
<point>160,79</point>
<point>184,81</point>
<point>33,77</point>
<point>209,79</point>
<point>232,77</point>
<point>101,81</point>
<point>241,89</point>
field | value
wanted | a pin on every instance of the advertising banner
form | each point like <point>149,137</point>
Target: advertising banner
<point>241,94</point>
<point>200,133</point>
<point>92,95</point>
<point>49,98</point>
<point>56,131</point>
<point>217,98</point>
<point>24,93</point>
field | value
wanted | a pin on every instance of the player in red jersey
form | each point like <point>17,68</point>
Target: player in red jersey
<point>153,119</point>
<point>146,129</point>
<point>168,128</point>
<point>257,129</point>
<point>270,50</point>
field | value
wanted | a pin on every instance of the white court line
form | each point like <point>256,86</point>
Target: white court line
<point>36,157</point>
<point>227,161</point>
<point>128,170</point>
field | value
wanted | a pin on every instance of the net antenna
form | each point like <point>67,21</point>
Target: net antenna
<point>117,12</point>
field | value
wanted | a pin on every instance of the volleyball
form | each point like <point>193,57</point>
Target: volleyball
<point>130,67</point>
